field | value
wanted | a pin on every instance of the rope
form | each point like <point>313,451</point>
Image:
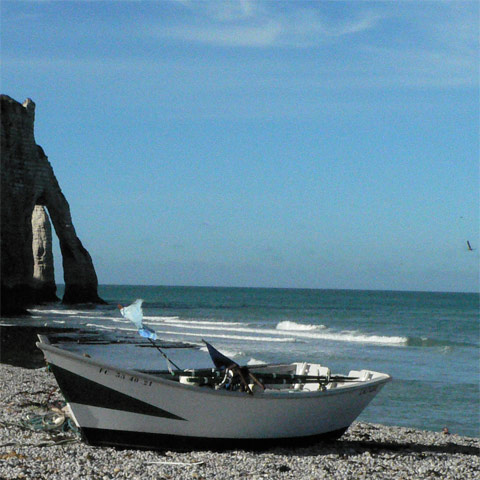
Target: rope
<point>54,424</point>
<point>54,421</point>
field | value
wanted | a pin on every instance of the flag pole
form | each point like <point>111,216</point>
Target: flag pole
<point>134,313</point>
<point>164,356</point>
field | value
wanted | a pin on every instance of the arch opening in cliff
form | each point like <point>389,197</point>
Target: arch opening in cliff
<point>28,189</point>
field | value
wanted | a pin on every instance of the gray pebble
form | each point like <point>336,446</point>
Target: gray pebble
<point>365,451</point>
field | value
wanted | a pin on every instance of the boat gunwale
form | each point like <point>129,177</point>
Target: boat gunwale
<point>170,383</point>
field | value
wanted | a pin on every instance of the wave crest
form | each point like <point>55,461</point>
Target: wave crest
<point>293,326</point>
<point>227,353</point>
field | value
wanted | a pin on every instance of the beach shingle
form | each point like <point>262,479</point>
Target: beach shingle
<point>365,451</point>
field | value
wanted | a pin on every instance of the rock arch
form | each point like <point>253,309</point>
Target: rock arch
<point>29,188</point>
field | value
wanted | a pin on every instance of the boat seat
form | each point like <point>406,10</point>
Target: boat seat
<point>314,370</point>
<point>362,375</point>
<point>302,369</point>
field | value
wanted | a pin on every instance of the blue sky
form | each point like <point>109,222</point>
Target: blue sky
<point>258,143</point>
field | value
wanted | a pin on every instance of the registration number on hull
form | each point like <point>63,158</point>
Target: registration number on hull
<point>124,376</point>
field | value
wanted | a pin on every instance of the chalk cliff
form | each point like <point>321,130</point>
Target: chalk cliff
<point>43,270</point>
<point>28,190</point>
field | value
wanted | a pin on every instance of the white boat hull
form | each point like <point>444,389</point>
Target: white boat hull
<point>113,406</point>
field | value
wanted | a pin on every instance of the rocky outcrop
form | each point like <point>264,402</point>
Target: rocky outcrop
<point>43,267</point>
<point>28,189</point>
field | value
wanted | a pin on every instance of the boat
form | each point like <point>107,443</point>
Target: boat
<point>223,407</point>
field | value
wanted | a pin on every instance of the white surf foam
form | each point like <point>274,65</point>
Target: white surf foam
<point>293,326</point>
<point>230,337</point>
<point>220,328</point>
<point>361,338</point>
<point>348,336</point>
<point>176,320</point>
<point>93,317</point>
<point>227,353</point>
<point>119,320</point>
<point>254,361</point>
<point>55,312</point>
<point>157,318</point>
<point>309,334</point>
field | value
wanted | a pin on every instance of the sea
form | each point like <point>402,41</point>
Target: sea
<point>428,342</point>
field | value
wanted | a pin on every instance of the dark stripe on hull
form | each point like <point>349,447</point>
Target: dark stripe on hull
<point>153,441</point>
<point>78,389</point>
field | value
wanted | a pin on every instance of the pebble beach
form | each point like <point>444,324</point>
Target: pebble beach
<point>368,451</point>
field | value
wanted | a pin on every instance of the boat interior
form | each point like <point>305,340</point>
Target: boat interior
<point>267,378</point>
<point>293,377</point>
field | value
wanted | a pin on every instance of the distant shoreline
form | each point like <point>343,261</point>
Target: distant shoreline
<point>373,451</point>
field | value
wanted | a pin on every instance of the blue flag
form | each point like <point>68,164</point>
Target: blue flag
<point>147,333</point>
<point>134,313</point>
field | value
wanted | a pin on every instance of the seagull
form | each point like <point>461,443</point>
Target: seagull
<point>469,246</point>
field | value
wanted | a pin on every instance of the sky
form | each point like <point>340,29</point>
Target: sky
<point>290,144</point>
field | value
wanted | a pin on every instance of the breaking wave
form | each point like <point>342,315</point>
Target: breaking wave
<point>227,353</point>
<point>363,338</point>
<point>263,333</point>
<point>229,337</point>
<point>284,331</point>
<point>254,361</point>
<point>293,326</point>
<point>288,331</point>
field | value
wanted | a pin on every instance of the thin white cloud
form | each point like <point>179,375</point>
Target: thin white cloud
<point>232,10</point>
<point>312,25</point>
<point>228,36</point>
<point>421,67</point>
<point>425,55</point>
<point>261,24</point>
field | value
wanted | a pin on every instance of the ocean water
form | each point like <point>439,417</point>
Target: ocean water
<point>428,342</point>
